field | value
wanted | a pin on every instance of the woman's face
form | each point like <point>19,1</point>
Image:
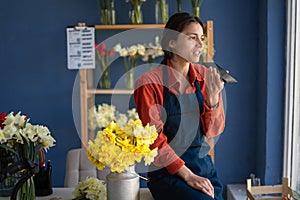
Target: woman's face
<point>189,43</point>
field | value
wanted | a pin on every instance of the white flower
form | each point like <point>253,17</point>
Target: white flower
<point>12,132</point>
<point>153,51</point>
<point>132,114</point>
<point>117,47</point>
<point>139,132</point>
<point>30,133</point>
<point>9,119</point>
<point>141,49</point>
<point>90,188</point>
<point>104,114</point>
<point>23,137</point>
<point>121,119</point>
<point>92,118</point>
<point>149,158</point>
<point>44,136</point>
<point>3,139</point>
<point>123,52</point>
<point>132,50</point>
<point>101,117</point>
<point>133,53</point>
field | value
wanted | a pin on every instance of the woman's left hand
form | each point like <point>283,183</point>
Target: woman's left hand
<point>214,86</point>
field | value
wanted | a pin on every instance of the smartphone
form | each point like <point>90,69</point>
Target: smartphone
<point>224,74</point>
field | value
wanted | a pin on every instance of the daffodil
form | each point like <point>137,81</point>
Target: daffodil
<point>100,117</point>
<point>23,140</point>
<point>152,51</point>
<point>18,131</point>
<point>90,188</point>
<point>120,147</point>
<point>130,54</point>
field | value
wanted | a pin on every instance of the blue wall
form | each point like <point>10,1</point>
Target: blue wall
<point>275,85</point>
<point>249,42</point>
<point>270,98</point>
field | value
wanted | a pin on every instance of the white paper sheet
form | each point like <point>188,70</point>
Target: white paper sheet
<point>80,47</point>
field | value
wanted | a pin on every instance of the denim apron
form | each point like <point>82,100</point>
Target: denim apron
<point>183,130</point>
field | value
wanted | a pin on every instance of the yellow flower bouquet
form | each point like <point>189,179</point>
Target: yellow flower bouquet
<point>120,147</point>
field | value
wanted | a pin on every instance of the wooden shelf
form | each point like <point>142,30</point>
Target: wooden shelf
<point>128,26</point>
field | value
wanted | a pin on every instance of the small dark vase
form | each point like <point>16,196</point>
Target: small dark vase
<point>43,181</point>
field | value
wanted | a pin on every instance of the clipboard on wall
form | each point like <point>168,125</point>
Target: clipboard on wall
<point>81,47</point>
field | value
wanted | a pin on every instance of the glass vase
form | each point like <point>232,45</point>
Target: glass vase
<point>104,16</point>
<point>6,186</point>
<point>196,11</point>
<point>136,15</point>
<point>129,79</point>
<point>178,6</point>
<point>43,181</point>
<point>27,190</point>
<point>26,151</point>
<point>105,79</point>
<point>124,185</point>
<point>161,12</point>
<point>112,13</point>
<point>108,16</point>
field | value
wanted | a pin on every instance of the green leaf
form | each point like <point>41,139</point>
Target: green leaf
<point>8,148</point>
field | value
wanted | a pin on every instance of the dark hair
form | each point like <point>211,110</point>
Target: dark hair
<point>174,26</point>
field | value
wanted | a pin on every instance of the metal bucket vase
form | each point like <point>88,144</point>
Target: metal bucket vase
<point>124,185</point>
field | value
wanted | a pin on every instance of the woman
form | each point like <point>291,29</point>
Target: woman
<point>183,100</point>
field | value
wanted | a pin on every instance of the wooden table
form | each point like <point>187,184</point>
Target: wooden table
<point>236,192</point>
<point>66,194</point>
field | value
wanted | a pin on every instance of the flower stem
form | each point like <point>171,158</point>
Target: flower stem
<point>179,6</point>
<point>136,14</point>
<point>164,11</point>
<point>196,4</point>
